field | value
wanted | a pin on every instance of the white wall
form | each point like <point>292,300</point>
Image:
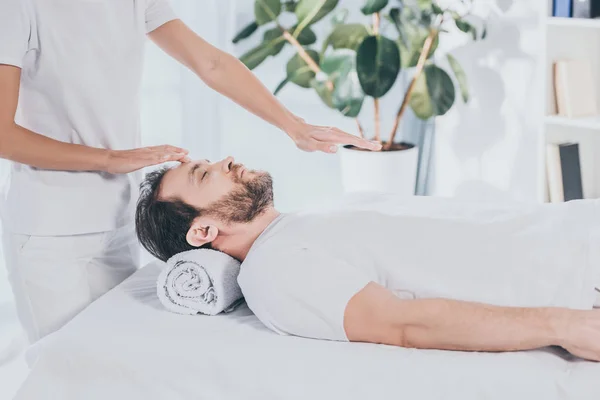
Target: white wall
<point>488,149</point>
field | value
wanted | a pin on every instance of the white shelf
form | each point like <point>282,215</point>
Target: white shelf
<point>573,22</point>
<point>583,123</point>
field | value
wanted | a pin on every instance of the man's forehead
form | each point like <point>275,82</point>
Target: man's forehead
<point>171,180</point>
<point>176,177</point>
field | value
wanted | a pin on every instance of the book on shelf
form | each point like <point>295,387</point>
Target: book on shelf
<point>586,8</point>
<point>574,88</point>
<point>562,8</point>
<point>564,172</point>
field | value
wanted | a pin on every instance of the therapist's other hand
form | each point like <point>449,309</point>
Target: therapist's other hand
<point>125,161</point>
<point>326,138</point>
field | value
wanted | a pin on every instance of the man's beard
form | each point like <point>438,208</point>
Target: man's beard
<point>247,202</point>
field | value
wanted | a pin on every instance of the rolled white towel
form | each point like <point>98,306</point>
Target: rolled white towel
<point>200,281</point>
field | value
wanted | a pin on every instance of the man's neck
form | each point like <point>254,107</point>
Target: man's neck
<point>238,239</point>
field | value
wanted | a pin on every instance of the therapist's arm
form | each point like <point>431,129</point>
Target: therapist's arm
<point>230,77</point>
<point>378,316</point>
<point>26,147</point>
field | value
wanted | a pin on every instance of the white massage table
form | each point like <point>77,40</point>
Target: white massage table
<point>125,346</point>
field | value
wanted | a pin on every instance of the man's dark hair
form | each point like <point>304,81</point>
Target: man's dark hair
<point>162,225</point>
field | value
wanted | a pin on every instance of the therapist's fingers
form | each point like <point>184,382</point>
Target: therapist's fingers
<point>324,147</point>
<point>337,136</point>
<point>126,161</point>
<point>167,149</point>
<point>180,157</point>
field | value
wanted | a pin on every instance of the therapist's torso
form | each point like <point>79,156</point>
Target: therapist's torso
<point>80,83</point>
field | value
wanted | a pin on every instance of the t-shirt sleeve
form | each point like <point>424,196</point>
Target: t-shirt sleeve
<point>303,293</point>
<point>15,30</point>
<point>158,13</point>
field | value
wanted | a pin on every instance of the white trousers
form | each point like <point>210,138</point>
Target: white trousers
<point>54,278</point>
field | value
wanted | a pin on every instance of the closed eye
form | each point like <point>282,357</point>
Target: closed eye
<point>204,175</point>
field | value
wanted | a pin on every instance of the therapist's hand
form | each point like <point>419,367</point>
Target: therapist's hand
<point>125,161</point>
<point>325,138</point>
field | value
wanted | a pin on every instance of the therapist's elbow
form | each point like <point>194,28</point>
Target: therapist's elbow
<point>217,69</point>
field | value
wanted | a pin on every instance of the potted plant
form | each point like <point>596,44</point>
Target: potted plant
<point>363,60</point>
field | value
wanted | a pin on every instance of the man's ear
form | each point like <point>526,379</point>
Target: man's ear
<point>201,233</point>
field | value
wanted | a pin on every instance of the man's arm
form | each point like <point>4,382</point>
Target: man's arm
<point>376,315</point>
<point>26,147</point>
<point>230,77</point>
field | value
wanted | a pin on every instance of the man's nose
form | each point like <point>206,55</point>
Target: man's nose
<point>227,164</point>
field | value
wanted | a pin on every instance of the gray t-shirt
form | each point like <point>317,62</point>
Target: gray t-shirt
<point>305,267</point>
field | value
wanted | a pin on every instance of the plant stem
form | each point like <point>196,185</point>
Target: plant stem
<point>360,128</point>
<point>377,120</point>
<point>303,54</point>
<point>418,71</point>
<point>376,23</point>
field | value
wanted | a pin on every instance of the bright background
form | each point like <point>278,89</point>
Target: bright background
<point>484,150</point>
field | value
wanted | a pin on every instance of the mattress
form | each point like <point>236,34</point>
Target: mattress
<point>126,346</point>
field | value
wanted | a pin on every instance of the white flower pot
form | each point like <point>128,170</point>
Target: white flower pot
<point>389,171</point>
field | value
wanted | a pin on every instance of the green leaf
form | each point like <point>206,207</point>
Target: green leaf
<point>340,68</point>
<point>281,86</point>
<point>417,36</point>
<point>323,91</point>
<point>336,62</point>
<point>424,4</point>
<point>348,96</point>
<point>434,93</point>
<point>311,11</point>
<point>378,65</point>
<point>347,36</point>
<point>461,77</point>
<point>426,18</point>
<point>266,11</point>
<point>272,34</point>
<point>246,32</point>
<point>373,6</point>
<point>436,9</point>
<point>339,17</point>
<point>484,32</point>
<point>299,72</point>
<point>396,17</point>
<point>290,6</point>
<point>273,44</point>
<point>256,56</point>
<point>466,27</point>
<point>306,37</point>
<point>420,102</point>
<point>275,37</point>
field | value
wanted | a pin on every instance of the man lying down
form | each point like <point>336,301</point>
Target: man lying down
<point>416,272</point>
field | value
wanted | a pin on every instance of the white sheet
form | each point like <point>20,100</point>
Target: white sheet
<point>125,346</point>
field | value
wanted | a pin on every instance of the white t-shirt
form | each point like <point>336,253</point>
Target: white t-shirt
<point>81,66</point>
<point>304,268</point>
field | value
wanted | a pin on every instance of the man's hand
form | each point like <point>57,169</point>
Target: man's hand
<point>580,332</point>
<point>376,315</point>
<point>125,161</point>
<point>326,139</point>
